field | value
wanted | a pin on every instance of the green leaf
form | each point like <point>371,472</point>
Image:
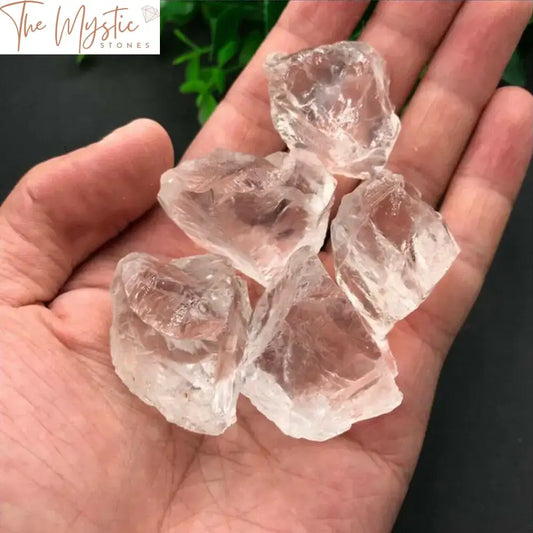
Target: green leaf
<point>249,47</point>
<point>184,39</point>
<point>176,7</point>
<point>206,74</point>
<point>252,11</point>
<point>196,53</point>
<point>192,70</point>
<point>224,28</point>
<point>515,72</point>
<point>369,11</point>
<point>218,79</point>
<point>80,58</point>
<point>271,11</point>
<point>211,9</point>
<point>214,8</point>
<point>177,12</point>
<point>184,57</point>
<point>210,78</point>
<point>364,19</point>
<point>227,52</point>
<point>207,105</point>
<point>193,86</point>
<point>357,32</point>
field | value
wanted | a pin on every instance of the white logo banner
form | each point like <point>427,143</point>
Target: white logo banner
<point>79,27</point>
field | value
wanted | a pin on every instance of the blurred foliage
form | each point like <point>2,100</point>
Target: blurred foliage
<point>515,72</point>
<point>236,29</point>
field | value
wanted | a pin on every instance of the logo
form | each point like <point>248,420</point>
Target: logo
<point>79,27</point>
<point>150,13</point>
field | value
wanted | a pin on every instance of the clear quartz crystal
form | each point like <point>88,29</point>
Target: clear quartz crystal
<point>254,211</point>
<point>334,101</point>
<point>314,357</point>
<point>390,249</point>
<point>313,366</point>
<point>178,336</point>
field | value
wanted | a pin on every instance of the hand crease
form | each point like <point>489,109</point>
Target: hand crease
<point>174,491</point>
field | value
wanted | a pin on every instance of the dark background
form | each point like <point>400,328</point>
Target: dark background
<point>476,469</point>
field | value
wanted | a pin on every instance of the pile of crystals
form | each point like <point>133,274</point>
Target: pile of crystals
<point>313,356</point>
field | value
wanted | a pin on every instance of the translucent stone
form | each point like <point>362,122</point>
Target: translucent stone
<point>334,101</point>
<point>313,366</point>
<point>178,335</point>
<point>390,249</point>
<point>249,209</point>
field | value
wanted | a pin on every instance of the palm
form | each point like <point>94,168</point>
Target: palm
<point>90,456</point>
<point>150,473</point>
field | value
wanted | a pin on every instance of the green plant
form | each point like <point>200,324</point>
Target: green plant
<point>236,29</point>
<point>515,72</point>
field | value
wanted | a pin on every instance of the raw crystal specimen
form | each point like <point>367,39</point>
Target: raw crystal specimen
<point>178,335</point>
<point>313,367</point>
<point>254,211</point>
<point>390,249</point>
<point>334,101</point>
<point>314,358</point>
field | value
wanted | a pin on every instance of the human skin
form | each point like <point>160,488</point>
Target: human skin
<point>81,454</point>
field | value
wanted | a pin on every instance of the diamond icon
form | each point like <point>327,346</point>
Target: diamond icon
<point>150,13</point>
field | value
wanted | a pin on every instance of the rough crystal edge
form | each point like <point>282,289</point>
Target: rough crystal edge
<point>230,418</point>
<point>236,160</point>
<point>181,263</point>
<point>276,59</point>
<point>414,192</point>
<point>382,376</point>
<point>411,190</point>
<point>276,159</point>
<point>276,62</point>
<point>296,426</point>
<point>182,423</point>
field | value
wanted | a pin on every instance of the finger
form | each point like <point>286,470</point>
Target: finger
<point>406,34</point>
<point>66,208</point>
<point>242,120</point>
<point>477,207</point>
<point>461,78</point>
